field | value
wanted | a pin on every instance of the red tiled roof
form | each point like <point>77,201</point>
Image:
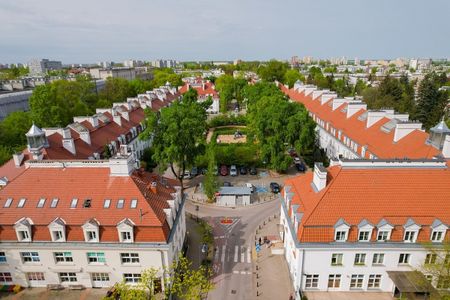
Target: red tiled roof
<point>378,143</point>
<point>372,194</point>
<point>87,183</point>
<point>207,90</point>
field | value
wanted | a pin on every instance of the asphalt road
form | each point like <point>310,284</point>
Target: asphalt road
<point>233,263</point>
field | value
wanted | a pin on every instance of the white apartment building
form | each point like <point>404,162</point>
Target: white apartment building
<point>42,66</point>
<point>361,225</point>
<point>89,223</point>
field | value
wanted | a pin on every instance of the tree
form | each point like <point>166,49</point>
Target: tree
<point>13,129</point>
<point>229,88</point>
<point>146,288</point>
<point>5,154</point>
<point>210,183</point>
<point>178,134</point>
<point>116,90</point>
<point>273,70</point>
<point>291,76</point>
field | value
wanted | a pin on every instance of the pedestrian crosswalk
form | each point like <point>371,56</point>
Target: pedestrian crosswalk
<point>235,254</point>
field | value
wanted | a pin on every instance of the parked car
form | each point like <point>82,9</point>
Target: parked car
<point>223,170</point>
<point>297,160</point>
<point>233,170</point>
<point>187,175</point>
<point>292,152</point>
<point>274,187</point>
<point>243,170</point>
<point>300,167</point>
<point>203,171</point>
<point>253,171</point>
<point>251,186</point>
<point>194,172</point>
<point>226,183</point>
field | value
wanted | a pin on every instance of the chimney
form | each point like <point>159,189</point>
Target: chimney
<point>446,147</point>
<point>67,141</point>
<point>354,107</point>
<point>120,165</point>
<point>403,129</point>
<point>374,116</point>
<point>18,158</point>
<point>320,177</point>
<point>154,187</point>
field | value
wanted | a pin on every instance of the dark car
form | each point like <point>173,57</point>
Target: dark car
<point>203,171</point>
<point>226,183</point>
<point>300,167</point>
<point>224,170</point>
<point>253,171</point>
<point>243,170</point>
<point>274,187</point>
<point>194,172</point>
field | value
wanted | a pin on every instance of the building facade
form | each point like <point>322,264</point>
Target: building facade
<point>42,66</point>
<point>89,223</point>
<point>205,89</point>
<point>349,227</point>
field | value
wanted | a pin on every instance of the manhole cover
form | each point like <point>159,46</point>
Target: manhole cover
<point>233,291</point>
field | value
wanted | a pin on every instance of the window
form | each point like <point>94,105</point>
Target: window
<point>133,203</point>
<point>58,235</point>
<point>378,258</point>
<point>126,236</point>
<point>54,203</point>
<point>437,236</point>
<point>132,277</point>
<point>21,202</point>
<point>87,203</point>
<point>91,236</point>
<point>96,257</point>
<point>443,282</point>
<point>74,203</point>
<point>30,257</point>
<point>383,236</point>
<point>430,259</point>
<point>41,203</point>
<point>374,281</point>
<point>2,257</point>
<point>364,235</point>
<point>23,235</point>
<point>360,258</point>
<point>68,277</point>
<point>35,276</point>
<point>357,281</point>
<point>8,202</point>
<point>312,281</point>
<point>100,276</point>
<point>410,236</point>
<point>107,203</point>
<point>129,258</point>
<point>61,257</point>
<point>334,280</point>
<point>120,203</point>
<point>404,258</point>
<point>341,235</point>
<point>5,277</point>
<point>336,259</point>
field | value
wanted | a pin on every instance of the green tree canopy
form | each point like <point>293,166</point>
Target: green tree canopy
<point>291,76</point>
<point>273,70</point>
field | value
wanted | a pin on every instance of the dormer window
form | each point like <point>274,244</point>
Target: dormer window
<point>382,236</point>
<point>365,231</point>
<point>364,236</point>
<point>411,231</point>
<point>58,230</point>
<point>91,231</point>
<point>23,230</point>
<point>41,203</point>
<point>410,236</point>
<point>341,231</point>
<point>126,231</point>
<point>437,236</point>
<point>384,231</point>
<point>438,231</point>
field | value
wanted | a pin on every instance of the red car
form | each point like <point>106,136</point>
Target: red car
<point>223,170</point>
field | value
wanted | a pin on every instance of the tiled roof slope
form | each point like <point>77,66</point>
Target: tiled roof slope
<point>87,183</point>
<point>372,194</point>
<point>378,143</point>
<point>204,88</point>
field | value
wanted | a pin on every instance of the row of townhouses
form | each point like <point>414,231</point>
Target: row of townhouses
<point>362,224</point>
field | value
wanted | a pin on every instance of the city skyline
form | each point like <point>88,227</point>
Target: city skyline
<point>88,32</point>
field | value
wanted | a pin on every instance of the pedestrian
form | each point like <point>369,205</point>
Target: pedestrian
<point>260,240</point>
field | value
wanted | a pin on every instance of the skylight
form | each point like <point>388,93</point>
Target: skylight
<point>21,202</point>
<point>41,203</point>
<point>133,203</point>
<point>120,203</point>
<point>54,202</point>
<point>107,203</point>
<point>74,203</point>
<point>87,203</point>
<point>8,202</point>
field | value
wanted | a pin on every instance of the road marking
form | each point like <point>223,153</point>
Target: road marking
<point>223,253</point>
<point>249,255</point>
<point>235,272</point>
<point>243,254</point>
<point>236,250</point>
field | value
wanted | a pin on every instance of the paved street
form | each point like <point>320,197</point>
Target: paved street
<point>233,258</point>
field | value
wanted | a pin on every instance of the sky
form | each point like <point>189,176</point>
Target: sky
<point>88,31</point>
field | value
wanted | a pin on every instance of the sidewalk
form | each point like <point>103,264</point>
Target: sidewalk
<point>271,279</point>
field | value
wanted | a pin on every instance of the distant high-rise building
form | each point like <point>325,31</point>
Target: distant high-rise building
<point>39,67</point>
<point>295,61</point>
<point>164,63</point>
<point>357,62</point>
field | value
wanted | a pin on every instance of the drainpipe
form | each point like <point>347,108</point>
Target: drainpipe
<point>301,273</point>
